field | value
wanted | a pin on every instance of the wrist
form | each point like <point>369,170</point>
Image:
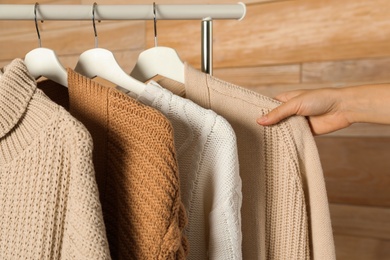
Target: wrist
<point>351,103</point>
<point>366,104</point>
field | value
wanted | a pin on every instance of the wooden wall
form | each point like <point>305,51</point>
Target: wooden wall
<point>280,45</point>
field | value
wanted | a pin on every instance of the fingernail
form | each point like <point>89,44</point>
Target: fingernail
<point>262,120</point>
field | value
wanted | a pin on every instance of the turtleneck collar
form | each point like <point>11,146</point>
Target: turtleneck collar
<point>16,90</point>
<point>25,111</point>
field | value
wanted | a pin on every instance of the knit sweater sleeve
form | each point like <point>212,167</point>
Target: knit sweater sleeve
<point>84,235</point>
<point>224,218</point>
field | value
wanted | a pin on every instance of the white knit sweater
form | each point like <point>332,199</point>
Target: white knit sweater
<point>48,194</point>
<point>209,174</point>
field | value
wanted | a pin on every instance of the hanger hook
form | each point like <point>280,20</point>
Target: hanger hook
<point>94,25</point>
<point>36,24</point>
<point>155,24</point>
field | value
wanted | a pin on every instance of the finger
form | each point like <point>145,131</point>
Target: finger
<point>286,96</point>
<point>281,112</point>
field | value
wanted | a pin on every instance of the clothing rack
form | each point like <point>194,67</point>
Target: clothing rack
<point>206,13</point>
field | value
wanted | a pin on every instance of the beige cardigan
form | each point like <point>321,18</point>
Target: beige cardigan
<point>285,213</point>
<point>49,202</point>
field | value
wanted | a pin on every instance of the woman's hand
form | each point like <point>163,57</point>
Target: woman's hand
<point>331,109</point>
<point>324,108</point>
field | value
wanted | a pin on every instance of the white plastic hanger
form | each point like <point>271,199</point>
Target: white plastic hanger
<point>98,62</point>
<point>162,61</point>
<point>44,62</point>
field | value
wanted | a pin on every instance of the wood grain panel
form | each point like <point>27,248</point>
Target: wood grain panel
<point>8,27</point>
<point>366,70</point>
<point>356,170</point>
<point>363,130</point>
<point>22,26</point>
<point>176,33</point>
<point>115,2</point>
<point>289,32</point>
<point>182,1</point>
<point>253,76</point>
<point>361,248</point>
<point>127,35</point>
<point>279,46</point>
<point>26,2</point>
<point>309,75</point>
<point>360,221</point>
<point>127,58</point>
<point>271,89</point>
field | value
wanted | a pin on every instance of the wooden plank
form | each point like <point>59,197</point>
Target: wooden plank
<point>360,221</point>
<point>188,32</point>
<point>305,30</point>
<point>31,2</point>
<point>127,58</point>
<point>356,170</point>
<point>287,33</point>
<point>127,35</point>
<point>312,75</point>
<point>8,27</point>
<point>360,248</point>
<point>184,1</point>
<point>363,130</point>
<point>347,71</point>
<point>112,2</point>
<point>254,76</point>
<point>272,90</point>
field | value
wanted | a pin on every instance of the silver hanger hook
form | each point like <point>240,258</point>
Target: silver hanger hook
<point>94,25</point>
<point>36,24</point>
<point>155,24</point>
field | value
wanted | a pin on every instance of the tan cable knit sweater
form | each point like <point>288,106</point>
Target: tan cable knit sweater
<point>49,202</point>
<point>285,212</point>
<point>136,168</point>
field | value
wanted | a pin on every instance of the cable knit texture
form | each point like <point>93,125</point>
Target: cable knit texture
<point>49,200</point>
<point>137,172</point>
<point>285,212</point>
<point>209,175</point>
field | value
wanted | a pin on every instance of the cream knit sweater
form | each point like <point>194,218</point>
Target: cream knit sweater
<point>285,213</point>
<point>49,199</point>
<point>209,175</point>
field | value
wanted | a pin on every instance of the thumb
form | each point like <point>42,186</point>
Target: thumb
<point>286,96</point>
<point>279,113</point>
